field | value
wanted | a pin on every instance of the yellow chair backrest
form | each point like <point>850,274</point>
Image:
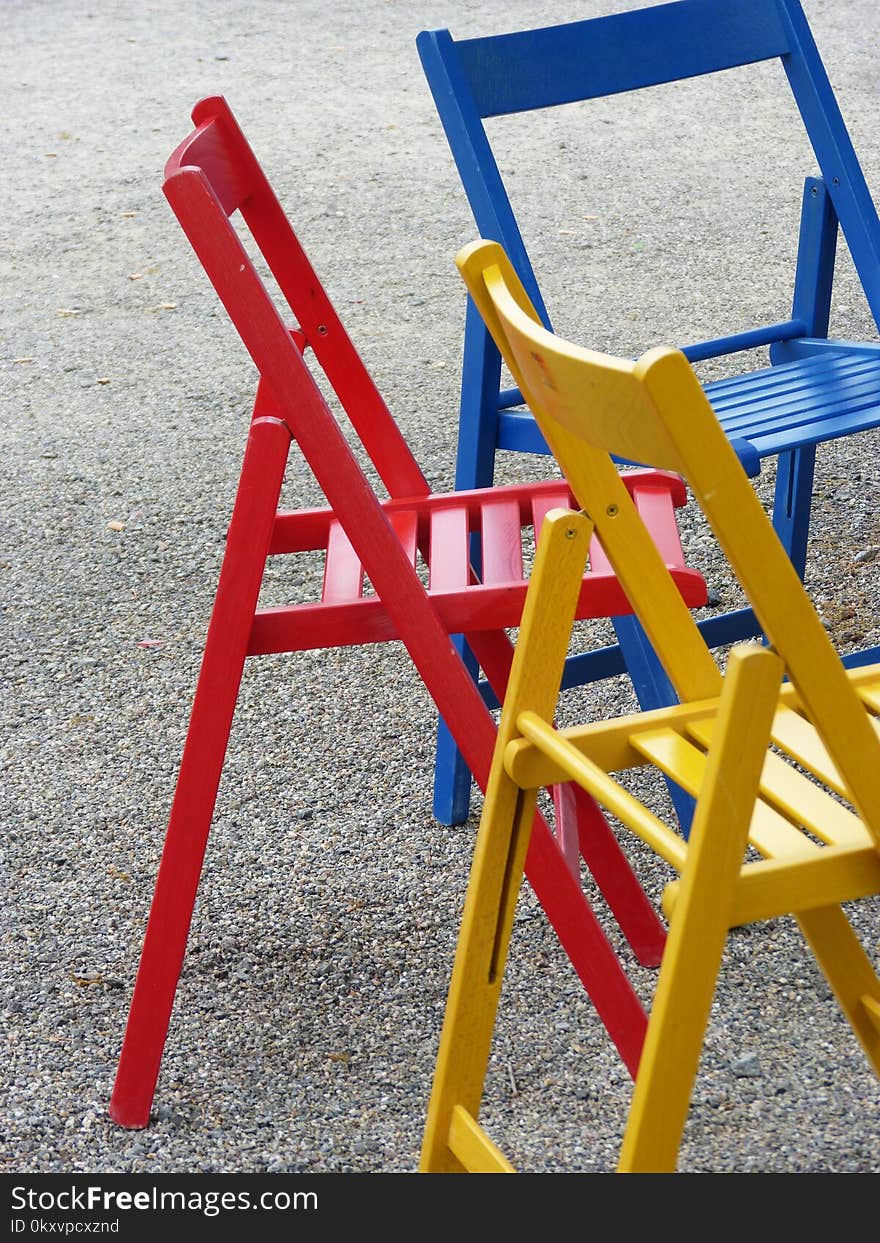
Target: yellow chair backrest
<point>654,411</point>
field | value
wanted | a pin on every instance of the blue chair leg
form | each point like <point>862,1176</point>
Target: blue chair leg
<point>653,690</point>
<point>814,275</point>
<point>452,777</point>
<point>475,468</point>
<point>792,502</point>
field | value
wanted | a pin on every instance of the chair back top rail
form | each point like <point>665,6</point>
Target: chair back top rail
<point>620,52</point>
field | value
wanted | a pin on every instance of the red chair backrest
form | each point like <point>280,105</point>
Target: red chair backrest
<point>210,176</point>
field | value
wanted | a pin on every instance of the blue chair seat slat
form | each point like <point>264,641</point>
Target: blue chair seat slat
<point>771,443</point>
<point>835,394</point>
<point>808,347</point>
<point>861,409</point>
<point>813,406</point>
<point>518,432</point>
<point>781,375</point>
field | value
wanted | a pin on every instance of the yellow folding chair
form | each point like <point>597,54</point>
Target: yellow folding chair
<point>781,751</point>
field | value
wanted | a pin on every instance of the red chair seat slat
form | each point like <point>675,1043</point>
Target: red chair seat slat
<point>659,517</point>
<point>449,564</point>
<point>599,563</point>
<point>501,527</point>
<point>301,627</point>
<point>343,572</point>
<point>406,528</point>
<point>543,503</point>
<point>345,617</point>
<point>301,529</point>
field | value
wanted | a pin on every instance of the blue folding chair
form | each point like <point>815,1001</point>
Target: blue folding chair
<point>815,389</point>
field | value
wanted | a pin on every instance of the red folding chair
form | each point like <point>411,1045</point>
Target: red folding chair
<point>210,176</point>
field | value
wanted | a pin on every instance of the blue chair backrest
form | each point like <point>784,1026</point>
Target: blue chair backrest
<point>473,79</point>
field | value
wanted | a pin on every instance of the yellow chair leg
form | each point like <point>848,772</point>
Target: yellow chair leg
<point>849,972</point>
<point>699,926</point>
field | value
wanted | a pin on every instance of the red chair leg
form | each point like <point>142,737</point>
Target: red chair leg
<point>584,941</point>
<point>567,828</point>
<point>201,765</point>
<point>627,900</point>
<point>637,917</point>
<point>582,830</point>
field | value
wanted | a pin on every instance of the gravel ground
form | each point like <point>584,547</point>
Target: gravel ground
<point>308,1015</point>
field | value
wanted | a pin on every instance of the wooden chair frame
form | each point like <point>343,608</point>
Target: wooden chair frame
<point>212,175</point>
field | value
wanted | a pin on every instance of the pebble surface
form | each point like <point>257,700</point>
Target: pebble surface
<point>308,1014</point>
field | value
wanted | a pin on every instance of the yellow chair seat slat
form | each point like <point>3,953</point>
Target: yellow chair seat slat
<point>864,679</point>
<point>470,1144</point>
<point>869,689</point>
<point>769,832</point>
<point>608,744</point>
<point>797,737</point>
<point>799,798</point>
<point>610,793</point>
